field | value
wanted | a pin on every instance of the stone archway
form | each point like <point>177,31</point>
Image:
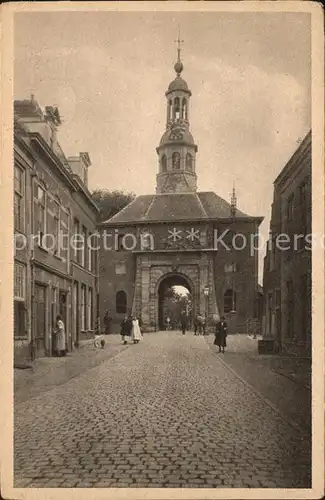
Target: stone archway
<point>152,269</point>
<point>167,281</point>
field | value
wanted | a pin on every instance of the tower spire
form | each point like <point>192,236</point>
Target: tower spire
<point>179,65</point>
<point>233,201</point>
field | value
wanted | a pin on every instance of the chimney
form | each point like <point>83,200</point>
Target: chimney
<point>79,165</point>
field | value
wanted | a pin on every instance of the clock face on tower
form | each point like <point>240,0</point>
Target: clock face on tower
<point>176,135</point>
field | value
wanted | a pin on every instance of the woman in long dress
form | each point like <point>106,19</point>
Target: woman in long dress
<point>60,336</point>
<point>221,334</point>
<point>136,332</point>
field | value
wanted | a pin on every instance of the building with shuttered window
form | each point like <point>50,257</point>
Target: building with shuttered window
<point>287,267</point>
<point>55,272</point>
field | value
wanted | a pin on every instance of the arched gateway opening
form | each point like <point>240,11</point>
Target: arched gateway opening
<point>175,294</point>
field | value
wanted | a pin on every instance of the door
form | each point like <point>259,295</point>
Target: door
<point>63,312</point>
<point>40,320</point>
<point>75,316</point>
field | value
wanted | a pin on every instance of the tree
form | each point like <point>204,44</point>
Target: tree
<point>111,202</point>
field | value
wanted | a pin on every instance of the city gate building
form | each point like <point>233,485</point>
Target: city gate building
<point>170,238</point>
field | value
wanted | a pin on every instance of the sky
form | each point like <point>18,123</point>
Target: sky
<point>107,72</point>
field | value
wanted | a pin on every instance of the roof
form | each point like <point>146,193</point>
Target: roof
<point>187,138</point>
<point>178,84</point>
<point>173,207</point>
<point>297,159</point>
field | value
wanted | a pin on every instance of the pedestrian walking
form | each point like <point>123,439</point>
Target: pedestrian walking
<point>60,337</point>
<point>183,322</point>
<point>221,334</point>
<point>126,329</point>
<point>107,320</point>
<point>168,323</point>
<point>136,332</point>
<point>195,325</point>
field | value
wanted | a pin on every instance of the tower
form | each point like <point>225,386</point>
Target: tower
<point>177,150</point>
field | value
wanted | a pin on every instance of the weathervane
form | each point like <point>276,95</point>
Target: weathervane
<point>179,41</point>
<point>179,65</point>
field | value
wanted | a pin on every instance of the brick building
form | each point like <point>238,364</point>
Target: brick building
<point>170,238</point>
<point>51,203</point>
<point>287,267</point>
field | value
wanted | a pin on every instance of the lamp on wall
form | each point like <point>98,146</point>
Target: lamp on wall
<point>206,292</point>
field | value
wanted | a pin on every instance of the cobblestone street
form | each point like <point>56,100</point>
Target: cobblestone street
<point>167,412</point>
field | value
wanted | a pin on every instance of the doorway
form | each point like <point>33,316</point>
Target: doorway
<point>174,296</point>
<point>63,312</point>
<point>40,320</point>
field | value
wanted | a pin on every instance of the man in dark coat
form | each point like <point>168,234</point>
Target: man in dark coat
<point>183,322</point>
<point>126,329</point>
<point>221,334</point>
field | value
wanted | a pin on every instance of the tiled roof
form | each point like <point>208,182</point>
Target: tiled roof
<point>173,207</point>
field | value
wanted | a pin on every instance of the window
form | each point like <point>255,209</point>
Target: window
<point>89,245</point>
<point>56,234</point>
<point>176,161</point>
<point>19,282</point>
<point>177,108</point>
<point>163,163</point>
<point>169,110</point>
<point>119,242</point>
<point>94,255</point>
<point>83,247</point>
<point>19,199</point>
<point>90,315</point>
<point>121,302</point>
<point>120,268</point>
<point>290,309</point>
<point>189,162</point>
<point>83,307</point>
<point>19,318</point>
<point>64,233</point>
<point>229,301</point>
<point>40,214</point>
<point>230,268</point>
<point>19,300</point>
<point>184,109</point>
<point>77,245</point>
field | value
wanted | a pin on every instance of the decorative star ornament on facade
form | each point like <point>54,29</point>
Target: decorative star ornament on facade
<point>193,234</point>
<point>174,234</point>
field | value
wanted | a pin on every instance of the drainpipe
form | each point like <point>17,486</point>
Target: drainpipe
<point>32,339</point>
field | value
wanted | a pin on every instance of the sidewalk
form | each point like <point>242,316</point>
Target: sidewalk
<point>283,381</point>
<point>47,373</point>
<point>293,367</point>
